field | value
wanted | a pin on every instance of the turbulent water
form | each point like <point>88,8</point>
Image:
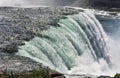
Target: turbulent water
<point>77,46</point>
<point>111,25</point>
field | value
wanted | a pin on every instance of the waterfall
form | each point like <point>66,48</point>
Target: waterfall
<point>78,41</point>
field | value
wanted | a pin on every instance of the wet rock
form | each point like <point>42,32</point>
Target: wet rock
<point>56,75</point>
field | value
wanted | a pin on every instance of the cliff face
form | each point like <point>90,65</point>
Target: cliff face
<point>106,3</point>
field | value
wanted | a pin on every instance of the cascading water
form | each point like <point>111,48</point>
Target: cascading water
<point>111,25</point>
<point>78,45</point>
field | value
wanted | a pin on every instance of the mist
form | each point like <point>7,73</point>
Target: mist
<point>111,26</point>
<point>75,3</point>
<point>31,2</point>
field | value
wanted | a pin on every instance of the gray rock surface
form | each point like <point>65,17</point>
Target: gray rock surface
<point>16,64</point>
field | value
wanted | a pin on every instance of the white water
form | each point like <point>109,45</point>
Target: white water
<point>112,27</point>
<point>78,46</point>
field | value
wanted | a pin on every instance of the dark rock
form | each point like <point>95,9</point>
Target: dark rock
<point>16,64</point>
<point>56,75</point>
<point>104,77</point>
<point>60,77</point>
<point>106,3</point>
